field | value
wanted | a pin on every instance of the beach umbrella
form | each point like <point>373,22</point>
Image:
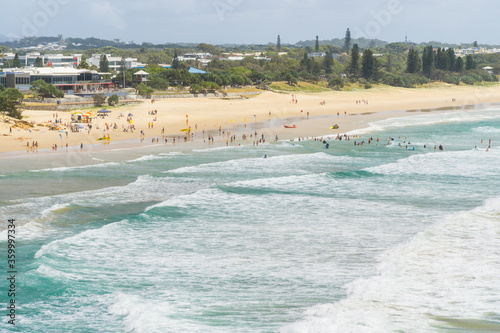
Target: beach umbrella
<point>104,111</point>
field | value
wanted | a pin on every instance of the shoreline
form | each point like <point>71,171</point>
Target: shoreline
<point>265,113</point>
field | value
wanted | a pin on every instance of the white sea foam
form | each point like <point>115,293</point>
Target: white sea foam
<point>272,164</point>
<point>142,315</point>
<point>448,271</point>
<point>223,148</point>
<point>470,163</point>
<point>54,208</point>
<point>487,129</point>
<point>428,119</point>
<point>155,157</point>
<point>63,169</point>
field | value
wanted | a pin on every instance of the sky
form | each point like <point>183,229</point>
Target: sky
<point>253,21</point>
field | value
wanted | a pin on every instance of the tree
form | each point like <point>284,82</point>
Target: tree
<point>328,62</point>
<point>278,44</point>
<point>368,64</point>
<point>9,99</point>
<point>206,48</point>
<point>16,62</point>
<point>413,63</point>
<point>99,99</point>
<point>442,60</point>
<point>470,63</point>
<point>123,66</point>
<point>175,61</point>
<point>451,59</point>
<point>237,80</point>
<point>388,65</point>
<point>354,64</point>
<point>196,88</point>
<point>144,90</point>
<point>428,61</point>
<point>336,83</point>
<point>104,64</point>
<point>12,94</point>
<point>113,100</point>
<point>291,76</point>
<point>83,64</point>
<point>158,82</point>
<point>38,62</point>
<point>316,47</point>
<point>305,61</point>
<point>347,41</point>
<point>316,69</point>
<point>46,90</point>
<point>459,65</point>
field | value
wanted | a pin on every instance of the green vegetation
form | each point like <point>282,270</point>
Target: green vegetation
<point>144,90</point>
<point>301,86</point>
<point>9,99</point>
<point>349,63</point>
<point>113,100</point>
<point>38,62</point>
<point>99,99</point>
<point>46,90</point>
<point>104,64</point>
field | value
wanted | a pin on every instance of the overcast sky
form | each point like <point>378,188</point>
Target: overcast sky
<point>254,21</point>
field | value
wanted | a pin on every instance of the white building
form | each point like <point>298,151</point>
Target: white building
<point>115,63</point>
<point>48,60</point>
<point>68,79</point>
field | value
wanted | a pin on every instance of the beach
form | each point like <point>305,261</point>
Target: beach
<point>379,231</point>
<point>266,113</point>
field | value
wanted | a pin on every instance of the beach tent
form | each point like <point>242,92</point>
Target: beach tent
<point>76,117</point>
<point>81,126</point>
<point>130,115</point>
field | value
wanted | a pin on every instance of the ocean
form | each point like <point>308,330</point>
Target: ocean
<point>387,236</point>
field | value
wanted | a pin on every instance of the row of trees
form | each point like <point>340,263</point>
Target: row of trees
<point>440,59</point>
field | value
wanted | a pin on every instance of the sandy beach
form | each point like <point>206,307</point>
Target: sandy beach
<point>313,114</point>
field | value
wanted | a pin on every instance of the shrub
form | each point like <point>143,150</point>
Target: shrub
<point>113,100</point>
<point>336,83</point>
<point>468,80</point>
<point>99,99</point>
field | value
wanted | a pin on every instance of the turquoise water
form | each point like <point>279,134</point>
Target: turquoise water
<point>372,238</point>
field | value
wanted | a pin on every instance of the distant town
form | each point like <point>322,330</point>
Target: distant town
<point>103,65</point>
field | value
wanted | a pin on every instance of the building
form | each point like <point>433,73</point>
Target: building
<point>69,80</point>
<point>141,76</point>
<point>115,63</point>
<point>474,50</point>
<point>203,58</point>
<point>317,55</point>
<point>48,60</point>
